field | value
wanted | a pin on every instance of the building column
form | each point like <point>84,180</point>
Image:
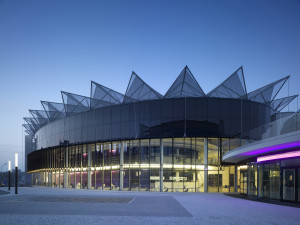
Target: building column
<point>50,178</point>
<point>205,164</point>
<point>161,170</point>
<point>66,185</point>
<point>44,179</point>
<point>89,177</point>
<point>235,177</point>
<point>50,168</point>
<point>121,165</point>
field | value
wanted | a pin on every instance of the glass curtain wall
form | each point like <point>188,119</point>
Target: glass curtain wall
<point>93,166</point>
<point>189,173</point>
<point>180,155</point>
<point>232,178</point>
<point>198,144</point>
<point>97,165</point>
<point>252,180</point>
<point>144,165</point>
<point>84,173</point>
<point>275,180</point>
<point>99,159</point>
<point>72,159</point>
<point>115,165</point>
<point>154,164</point>
<point>298,184</point>
<point>62,166</point>
<point>78,167</point>
<point>168,165</point>
<point>261,180</point>
<point>126,169</point>
<point>214,177</point>
<point>243,180</point>
<point>264,180</point>
<point>134,166</point>
<point>57,160</point>
<point>107,165</point>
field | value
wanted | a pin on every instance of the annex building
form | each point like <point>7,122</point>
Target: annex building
<point>185,140</point>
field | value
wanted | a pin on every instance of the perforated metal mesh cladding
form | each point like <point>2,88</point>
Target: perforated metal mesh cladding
<point>233,87</point>
<point>106,94</point>
<point>138,90</point>
<point>31,120</point>
<point>267,94</point>
<point>185,86</point>
<point>40,116</point>
<point>54,110</point>
<point>279,104</point>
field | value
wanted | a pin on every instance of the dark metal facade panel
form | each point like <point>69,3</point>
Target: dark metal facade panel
<point>193,117</point>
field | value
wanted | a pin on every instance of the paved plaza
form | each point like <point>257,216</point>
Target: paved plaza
<point>38,205</point>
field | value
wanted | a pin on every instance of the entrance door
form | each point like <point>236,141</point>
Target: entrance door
<point>288,190</point>
<point>298,185</point>
<point>243,182</point>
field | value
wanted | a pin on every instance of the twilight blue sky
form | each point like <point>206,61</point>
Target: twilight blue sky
<point>49,46</point>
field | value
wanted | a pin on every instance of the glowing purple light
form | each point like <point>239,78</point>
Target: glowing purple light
<point>279,156</point>
<point>274,147</point>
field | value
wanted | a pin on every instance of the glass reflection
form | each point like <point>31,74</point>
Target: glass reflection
<point>155,164</point>
<point>182,164</point>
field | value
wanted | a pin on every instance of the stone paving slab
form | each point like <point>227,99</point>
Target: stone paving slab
<point>265,200</point>
<point>3,192</point>
<point>145,208</point>
<point>158,206</point>
<point>75,199</point>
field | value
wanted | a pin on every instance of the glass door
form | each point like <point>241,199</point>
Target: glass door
<point>288,190</point>
<point>243,182</point>
<point>298,185</point>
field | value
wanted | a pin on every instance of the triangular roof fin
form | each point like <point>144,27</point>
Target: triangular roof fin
<point>185,85</point>
<point>281,103</point>
<point>138,90</point>
<point>233,87</point>
<point>267,93</point>
<point>100,92</point>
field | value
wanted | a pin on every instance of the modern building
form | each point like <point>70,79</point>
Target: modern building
<point>146,141</point>
<point>272,160</point>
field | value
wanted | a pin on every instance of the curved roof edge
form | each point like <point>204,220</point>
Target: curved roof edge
<point>264,147</point>
<point>185,85</point>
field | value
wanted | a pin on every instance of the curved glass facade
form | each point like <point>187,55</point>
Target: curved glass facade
<point>145,141</point>
<point>164,118</point>
<point>155,145</point>
<point>168,164</point>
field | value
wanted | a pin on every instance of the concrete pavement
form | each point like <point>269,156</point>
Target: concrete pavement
<point>40,205</point>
